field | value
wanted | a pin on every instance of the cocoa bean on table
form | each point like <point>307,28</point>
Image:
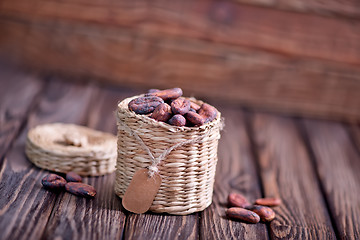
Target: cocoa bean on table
<point>80,189</point>
<point>73,177</point>
<point>145,105</point>
<point>167,94</point>
<point>237,200</point>
<point>180,106</point>
<point>162,112</point>
<point>266,214</point>
<point>243,215</point>
<point>177,120</point>
<point>53,182</point>
<point>271,202</point>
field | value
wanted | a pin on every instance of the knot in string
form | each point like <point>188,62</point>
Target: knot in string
<point>152,170</point>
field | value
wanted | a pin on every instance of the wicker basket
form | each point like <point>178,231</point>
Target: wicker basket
<point>46,147</point>
<point>187,173</point>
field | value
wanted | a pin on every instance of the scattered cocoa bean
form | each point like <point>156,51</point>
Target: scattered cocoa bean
<point>144,105</point>
<point>177,120</point>
<point>195,118</point>
<point>80,189</point>
<point>180,106</point>
<point>73,177</point>
<point>53,182</point>
<point>194,106</point>
<point>237,200</point>
<point>208,112</point>
<point>162,112</point>
<point>266,214</point>
<point>243,215</point>
<point>167,94</point>
<point>271,202</point>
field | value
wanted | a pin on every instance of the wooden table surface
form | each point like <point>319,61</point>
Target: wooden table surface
<point>312,165</point>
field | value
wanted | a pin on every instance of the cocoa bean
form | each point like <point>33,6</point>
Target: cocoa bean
<point>266,214</point>
<point>80,189</point>
<point>180,106</point>
<point>208,112</point>
<point>53,182</point>
<point>243,215</point>
<point>271,202</point>
<point>237,200</point>
<point>144,105</point>
<point>167,94</point>
<point>162,113</point>
<point>195,118</point>
<point>153,90</point>
<point>177,120</point>
<point>194,106</point>
<point>73,177</point>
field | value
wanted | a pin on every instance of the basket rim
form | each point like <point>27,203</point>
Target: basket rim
<point>123,108</point>
<point>87,151</point>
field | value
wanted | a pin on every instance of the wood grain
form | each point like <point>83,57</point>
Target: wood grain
<point>266,80</point>
<point>350,8</point>
<point>354,130</point>
<point>24,205</point>
<point>338,165</point>
<point>225,22</point>
<point>102,217</point>
<point>161,226</point>
<point>235,172</point>
<point>14,110</point>
<point>287,173</point>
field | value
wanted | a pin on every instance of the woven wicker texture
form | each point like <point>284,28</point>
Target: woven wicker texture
<point>187,173</point>
<point>66,147</point>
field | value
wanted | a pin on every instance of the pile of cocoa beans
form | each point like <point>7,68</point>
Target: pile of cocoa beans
<point>73,184</point>
<point>241,209</point>
<point>168,106</point>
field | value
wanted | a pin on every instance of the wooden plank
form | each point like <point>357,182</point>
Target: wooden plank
<point>338,166</point>
<point>350,8</point>
<point>161,226</point>
<point>287,172</point>
<point>235,172</point>
<point>300,86</point>
<point>224,22</point>
<point>24,205</point>
<point>14,109</point>
<point>102,217</point>
<point>355,134</point>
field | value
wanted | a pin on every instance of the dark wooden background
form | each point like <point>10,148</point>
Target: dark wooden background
<point>300,57</point>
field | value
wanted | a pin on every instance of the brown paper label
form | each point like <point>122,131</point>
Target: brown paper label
<point>141,191</point>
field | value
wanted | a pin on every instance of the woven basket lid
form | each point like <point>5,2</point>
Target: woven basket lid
<point>67,147</point>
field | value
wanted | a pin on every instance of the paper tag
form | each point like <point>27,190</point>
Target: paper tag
<point>141,191</point>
